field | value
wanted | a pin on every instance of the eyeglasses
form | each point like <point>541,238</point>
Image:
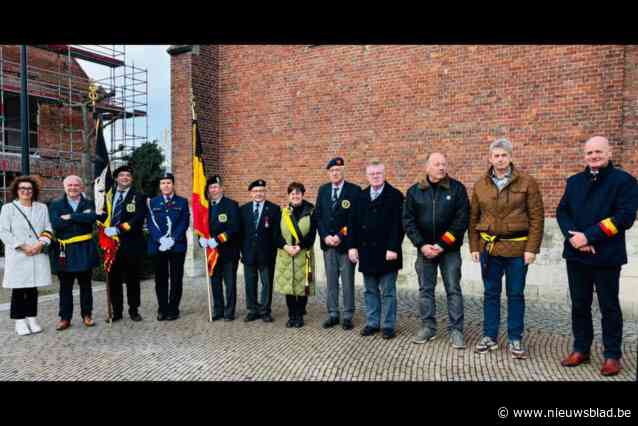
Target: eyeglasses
<point>25,188</point>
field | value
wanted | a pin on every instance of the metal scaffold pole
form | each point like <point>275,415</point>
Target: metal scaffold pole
<point>24,110</point>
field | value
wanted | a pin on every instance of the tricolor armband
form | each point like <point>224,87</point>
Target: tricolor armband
<point>344,231</point>
<point>47,234</point>
<point>448,238</point>
<point>608,227</point>
<point>125,227</point>
<point>222,238</point>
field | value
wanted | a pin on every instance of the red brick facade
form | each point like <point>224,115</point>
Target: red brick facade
<point>55,144</point>
<point>281,112</point>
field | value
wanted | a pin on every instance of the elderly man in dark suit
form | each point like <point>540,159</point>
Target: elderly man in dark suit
<point>375,242</point>
<point>259,220</point>
<point>335,204</point>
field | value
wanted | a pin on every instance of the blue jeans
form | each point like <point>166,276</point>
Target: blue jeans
<point>515,270</point>
<point>426,269</point>
<point>381,299</point>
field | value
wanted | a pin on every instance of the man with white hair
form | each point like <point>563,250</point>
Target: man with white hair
<point>74,253</point>
<point>506,230</point>
<point>435,218</point>
<point>598,206</point>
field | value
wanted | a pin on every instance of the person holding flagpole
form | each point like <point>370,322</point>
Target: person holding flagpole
<point>224,230</point>
<point>168,220</point>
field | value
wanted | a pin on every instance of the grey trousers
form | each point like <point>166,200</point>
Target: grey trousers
<point>337,265</point>
<point>450,265</point>
<point>254,304</point>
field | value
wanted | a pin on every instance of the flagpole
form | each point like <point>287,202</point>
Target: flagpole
<point>205,258</point>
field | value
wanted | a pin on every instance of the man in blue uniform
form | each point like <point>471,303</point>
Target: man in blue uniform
<point>127,222</point>
<point>224,225</point>
<point>74,254</point>
<point>335,205</point>
<point>598,206</point>
<point>167,221</point>
<point>259,221</point>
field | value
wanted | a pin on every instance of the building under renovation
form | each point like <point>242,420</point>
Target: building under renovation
<point>61,110</point>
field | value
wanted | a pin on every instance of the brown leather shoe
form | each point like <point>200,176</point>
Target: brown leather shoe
<point>88,321</point>
<point>574,359</point>
<point>611,367</point>
<point>63,325</point>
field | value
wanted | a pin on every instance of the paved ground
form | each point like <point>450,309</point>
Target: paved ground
<point>193,349</point>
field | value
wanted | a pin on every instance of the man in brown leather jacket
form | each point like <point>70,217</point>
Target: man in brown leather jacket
<point>506,229</point>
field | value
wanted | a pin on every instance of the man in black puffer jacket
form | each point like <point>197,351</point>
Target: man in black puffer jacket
<point>435,218</point>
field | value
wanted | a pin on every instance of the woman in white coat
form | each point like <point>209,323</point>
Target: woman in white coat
<point>25,230</point>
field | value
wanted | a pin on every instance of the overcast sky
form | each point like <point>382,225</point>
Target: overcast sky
<point>155,59</point>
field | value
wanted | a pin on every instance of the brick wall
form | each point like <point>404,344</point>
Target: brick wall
<point>280,112</point>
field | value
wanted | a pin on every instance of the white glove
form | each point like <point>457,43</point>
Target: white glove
<point>212,243</point>
<point>166,243</point>
<point>111,231</point>
<point>203,242</point>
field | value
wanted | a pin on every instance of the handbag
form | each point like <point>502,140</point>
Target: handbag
<point>45,249</point>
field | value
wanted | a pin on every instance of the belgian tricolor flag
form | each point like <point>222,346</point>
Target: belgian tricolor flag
<point>199,200</point>
<point>103,193</point>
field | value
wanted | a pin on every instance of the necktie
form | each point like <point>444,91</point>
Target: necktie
<point>375,194</point>
<point>117,210</point>
<point>334,197</point>
<point>256,216</point>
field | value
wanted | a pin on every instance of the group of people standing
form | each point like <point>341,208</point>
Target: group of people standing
<point>504,219</point>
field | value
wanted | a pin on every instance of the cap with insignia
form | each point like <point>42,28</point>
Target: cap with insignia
<point>337,161</point>
<point>258,182</point>
<point>124,168</point>
<point>167,176</point>
<point>215,179</point>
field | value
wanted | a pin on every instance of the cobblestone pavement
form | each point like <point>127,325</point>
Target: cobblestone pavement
<point>193,349</point>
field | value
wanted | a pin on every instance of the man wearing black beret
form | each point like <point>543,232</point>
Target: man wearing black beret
<point>127,222</point>
<point>259,221</point>
<point>224,225</point>
<point>335,204</point>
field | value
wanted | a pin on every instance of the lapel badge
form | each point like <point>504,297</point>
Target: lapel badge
<point>222,218</point>
<point>345,204</point>
<point>130,208</point>
<point>449,197</point>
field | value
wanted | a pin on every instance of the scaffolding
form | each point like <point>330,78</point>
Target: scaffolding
<point>63,85</point>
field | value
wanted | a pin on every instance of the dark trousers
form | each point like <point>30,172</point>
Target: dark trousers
<point>252,273</point>
<point>296,306</point>
<point>66,293</point>
<point>24,303</point>
<point>126,269</point>
<point>582,279</point>
<point>168,264</point>
<point>225,272</point>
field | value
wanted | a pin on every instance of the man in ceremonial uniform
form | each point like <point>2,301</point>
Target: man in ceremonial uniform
<point>375,242</point>
<point>74,254</point>
<point>224,225</point>
<point>335,204</point>
<point>127,222</point>
<point>259,221</point>
<point>167,222</point>
<point>435,218</point>
<point>597,208</point>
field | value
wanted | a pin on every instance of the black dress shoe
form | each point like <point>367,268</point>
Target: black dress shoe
<point>299,323</point>
<point>267,318</point>
<point>251,317</point>
<point>162,317</point>
<point>136,317</point>
<point>172,317</point>
<point>229,318</point>
<point>347,324</point>
<point>330,322</point>
<point>115,317</point>
<point>291,323</point>
<point>369,331</point>
<point>217,317</point>
<point>388,333</point>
